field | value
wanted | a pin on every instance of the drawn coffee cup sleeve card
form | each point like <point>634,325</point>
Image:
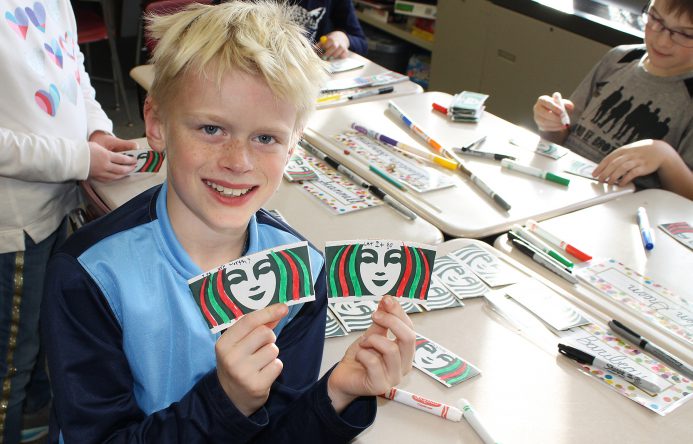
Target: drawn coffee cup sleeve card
<point>370,269</point>
<point>681,231</point>
<point>298,169</point>
<point>148,161</point>
<point>458,278</point>
<point>250,283</point>
<point>546,304</point>
<point>333,327</point>
<point>441,364</point>
<point>489,267</point>
<point>582,168</point>
<point>549,149</point>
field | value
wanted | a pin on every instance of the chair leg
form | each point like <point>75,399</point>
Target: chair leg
<point>115,59</point>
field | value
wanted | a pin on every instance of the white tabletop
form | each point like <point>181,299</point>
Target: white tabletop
<point>302,211</point>
<point>464,210</point>
<point>610,230</point>
<point>144,76</point>
<point>525,393</point>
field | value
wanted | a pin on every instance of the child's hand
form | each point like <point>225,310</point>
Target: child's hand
<point>374,363</point>
<point>247,363</point>
<point>636,159</point>
<point>105,165</point>
<point>112,143</point>
<point>335,45</point>
<point>547,113</point>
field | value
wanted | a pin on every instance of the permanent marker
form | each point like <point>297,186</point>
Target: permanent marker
<point>440,108</point>
<point>645,229</point>
<point>406,212</point>
<point>474,144</point>
<point>543,261</point>
<point>473,419</point>
<point>540,244</point>
<point>635,338</point>
<point>483,154</point>
<point>534,227</point>
<point>371,92</point>
<point>565,118</point>
<point>587,359</point>
<point>536,172</point>
<point>426,405</point>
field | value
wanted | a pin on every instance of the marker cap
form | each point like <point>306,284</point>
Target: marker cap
<point>557,179</point>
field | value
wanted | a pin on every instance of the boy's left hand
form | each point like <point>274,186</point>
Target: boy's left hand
<point>336,46</point>
<point>112,143</point>
<point>636,159</point>
<point>374,363</point>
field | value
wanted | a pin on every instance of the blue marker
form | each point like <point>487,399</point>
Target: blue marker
<point>645,230</point>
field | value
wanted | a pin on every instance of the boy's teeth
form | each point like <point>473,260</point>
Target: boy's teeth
<point>228,191</point>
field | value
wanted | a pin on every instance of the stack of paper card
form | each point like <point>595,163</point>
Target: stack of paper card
<point>467,106</point>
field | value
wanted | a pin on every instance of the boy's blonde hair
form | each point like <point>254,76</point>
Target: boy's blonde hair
<point>255,37</point>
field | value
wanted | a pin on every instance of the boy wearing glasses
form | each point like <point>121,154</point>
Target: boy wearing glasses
<point>633,112</point>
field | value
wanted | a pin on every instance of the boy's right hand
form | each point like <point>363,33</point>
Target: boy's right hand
<point>106,165</point>
<point>547,113</point>
<point>247,363</point>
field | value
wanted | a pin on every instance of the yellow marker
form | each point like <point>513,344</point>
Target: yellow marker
<point>323,40</point>
<point>329,98</point>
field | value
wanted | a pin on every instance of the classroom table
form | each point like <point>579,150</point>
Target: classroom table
<point>526,393</point>
<point>463,210</point>
<point>610,230</point>
<point>144,76</point>
<point>301,210</point>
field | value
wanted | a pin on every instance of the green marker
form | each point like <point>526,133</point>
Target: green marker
<point>541,245</point>
<point>536,172</point>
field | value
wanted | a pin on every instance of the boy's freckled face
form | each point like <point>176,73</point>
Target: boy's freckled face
<point>666,57</point>
<point>227,147</point>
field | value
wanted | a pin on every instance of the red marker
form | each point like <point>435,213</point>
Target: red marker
<point>565,246</point>
<point>440,108</point>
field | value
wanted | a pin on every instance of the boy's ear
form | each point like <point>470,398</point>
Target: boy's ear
<point>153,125</point>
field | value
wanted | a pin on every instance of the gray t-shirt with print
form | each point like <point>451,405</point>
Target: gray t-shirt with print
<point>619,102</point>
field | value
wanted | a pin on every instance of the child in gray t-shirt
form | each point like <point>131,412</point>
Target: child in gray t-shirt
<point>632,113</point>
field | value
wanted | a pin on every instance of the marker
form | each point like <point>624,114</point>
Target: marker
<point>483,154</point>
<point>425,405</point>
<point>587,359</point>
<point>323,39</point>
<point>565,118</point>
<point>418,131</point>
<point>440,108</point>
<point>439,160</point>
<point>645,230</point>
<point>475,144</point>
<point>532,171</point>
<point>384,175</point>
<point>532,239</point>
<point>565,246</point>
<point>543,261</point>
<point>371,92</point>
<point>377,192</point>
<point>473,419</point>
<point>329,98</point>
<point>642,343</point>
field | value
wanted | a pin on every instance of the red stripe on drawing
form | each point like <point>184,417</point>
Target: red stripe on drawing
<point>237,313</point>
<point>203,305</point>
<point>294,276</point>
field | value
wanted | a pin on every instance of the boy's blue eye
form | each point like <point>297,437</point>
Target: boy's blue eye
<point>265,139</point>
<point>210,129</point>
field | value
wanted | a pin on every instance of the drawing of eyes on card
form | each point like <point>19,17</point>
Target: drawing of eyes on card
<point>249,283</point>
<point>546,148</point>
<point>487,266</point>
<point>681,231</point>
<point>458,278</point>
<point>440,363</point>
<point>148,161</point>
<point>582,168</point>
<point>370,269</point>
<point>546,304</point>
<point>298,169</point>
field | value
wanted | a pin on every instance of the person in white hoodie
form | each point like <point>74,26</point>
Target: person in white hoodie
<point>53,133</point>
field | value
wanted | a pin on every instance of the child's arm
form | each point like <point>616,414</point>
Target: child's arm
<point>344,21</point>
<point>547,116</point>
<point>645,157</point>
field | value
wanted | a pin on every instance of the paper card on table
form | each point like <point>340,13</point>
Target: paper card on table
<point>386,78</point>
<point>299,169</point>
<point>439,296</point>
<point>441,364</point>
<point>487,266</point>
<point>413,173</point>
<point>642,295</point>
<point>582,168</point>
<point>546,304</point>
<point>148,161</point>
<point>249,283</point>
<point>341,65</point>
<point>370,269</point>
<point>676,389</point>
<point>552,150</point>
<point>354,315</point>
<point>681,231</point>
<point>336,191</point>
<point>333,327</point>
<point>458,278</point>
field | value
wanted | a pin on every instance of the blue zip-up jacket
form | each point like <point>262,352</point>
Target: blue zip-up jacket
<point>131,358</point>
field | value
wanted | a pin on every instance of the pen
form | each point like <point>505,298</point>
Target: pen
<point>371,92</point>
<point>473,419</point>
<point>645,230</point>
<point>536,172</point>
<point>426,405</point>
<point>377,192</point>
<point>483,154</point>
<point>442,161</point>
<point>587,359</point>
<point>565,118</point>
<point>543,261</point>
<point>635,338</point>
<point>565,246</point>
<point>540,244</point>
